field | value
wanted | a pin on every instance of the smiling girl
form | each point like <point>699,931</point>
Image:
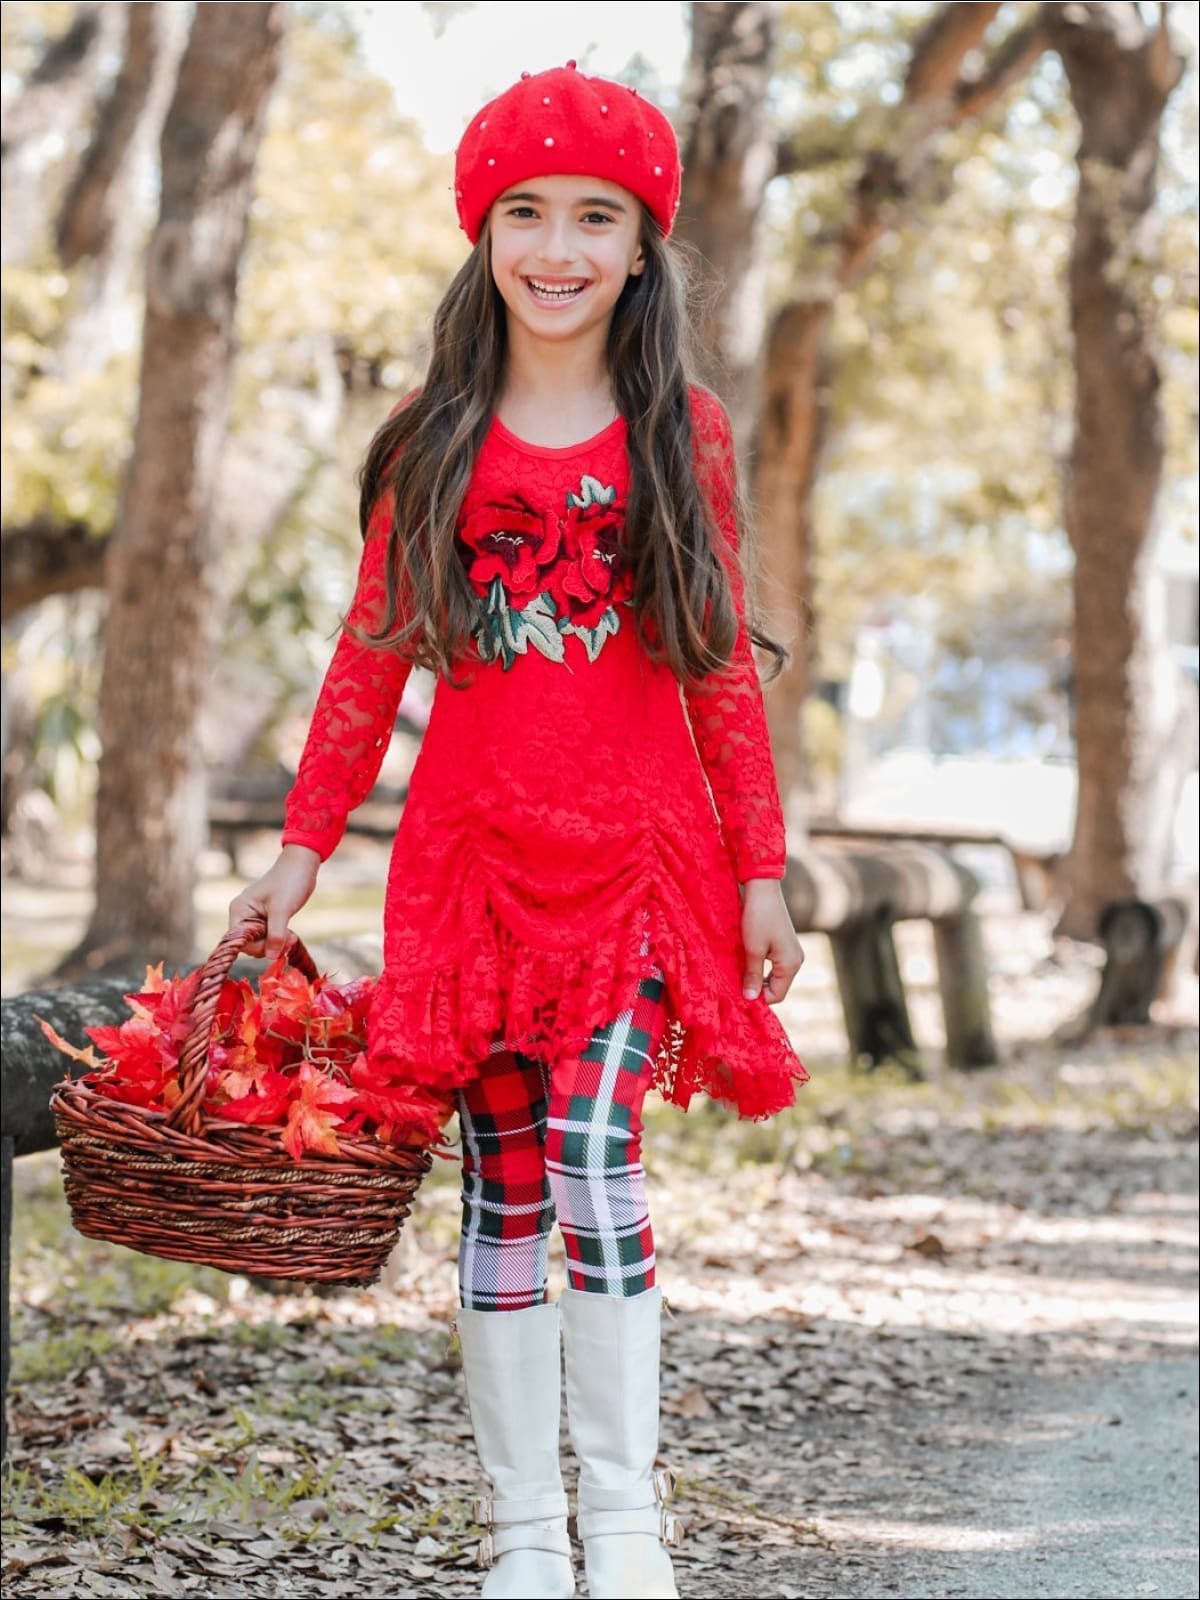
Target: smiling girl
<point>585,884</point>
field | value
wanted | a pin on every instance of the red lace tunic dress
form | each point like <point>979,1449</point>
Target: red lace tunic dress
<point>560,803</point>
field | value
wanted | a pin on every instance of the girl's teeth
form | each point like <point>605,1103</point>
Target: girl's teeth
<point>556,294</point>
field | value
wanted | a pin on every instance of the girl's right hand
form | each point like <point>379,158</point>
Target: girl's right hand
<point>277,896</point>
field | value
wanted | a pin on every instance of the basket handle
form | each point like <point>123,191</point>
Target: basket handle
<point>186,1114</point>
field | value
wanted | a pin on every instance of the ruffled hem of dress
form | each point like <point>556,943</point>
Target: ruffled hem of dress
<point>438,1028</point>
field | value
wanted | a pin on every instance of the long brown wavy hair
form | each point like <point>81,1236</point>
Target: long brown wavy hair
<point>425,452</point>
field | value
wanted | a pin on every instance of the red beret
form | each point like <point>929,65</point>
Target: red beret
<point>562,121</point>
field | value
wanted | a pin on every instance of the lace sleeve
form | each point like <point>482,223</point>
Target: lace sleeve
<point>355,712</point>
<point>726,711</point>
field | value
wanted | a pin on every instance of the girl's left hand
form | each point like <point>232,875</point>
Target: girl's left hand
<point>767,934</point>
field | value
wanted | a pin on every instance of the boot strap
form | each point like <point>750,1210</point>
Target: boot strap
<point>629,1510</point>
<point>655,1520</point>
<point>490,1512</point>
<point>659,1487</point>
<point>539,1524</point>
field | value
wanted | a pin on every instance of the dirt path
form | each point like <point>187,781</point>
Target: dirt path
<point>923,1341</point>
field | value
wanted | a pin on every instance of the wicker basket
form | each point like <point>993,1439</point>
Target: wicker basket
<point>223,1194</point>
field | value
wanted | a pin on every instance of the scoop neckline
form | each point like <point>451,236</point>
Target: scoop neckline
<point>556,450</point>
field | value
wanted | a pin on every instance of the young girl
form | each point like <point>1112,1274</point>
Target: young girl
<point>585,883</point>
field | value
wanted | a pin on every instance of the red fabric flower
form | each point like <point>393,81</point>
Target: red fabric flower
<point>595,574</point>
<point>511,541</point>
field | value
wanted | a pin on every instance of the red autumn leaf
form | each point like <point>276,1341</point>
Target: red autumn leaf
<point>350,998</point>
<point>377,1072</point>
<point>402,1108</point>
<point>237,995</point>
<point>312,1115</point>
<point>167,1002</point>
<point>286,1001</point>
<point>264,1108</point>
<point>243,1070</point>
<point>87,1055</point>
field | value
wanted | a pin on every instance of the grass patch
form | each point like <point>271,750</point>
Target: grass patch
<point>843,1110</point>
<point>52,1356</point>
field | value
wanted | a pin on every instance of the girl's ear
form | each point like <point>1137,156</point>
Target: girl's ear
<point>639,264</point>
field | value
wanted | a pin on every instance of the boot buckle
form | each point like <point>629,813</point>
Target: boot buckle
<point>481,1512</point>
<point>670,1527</point>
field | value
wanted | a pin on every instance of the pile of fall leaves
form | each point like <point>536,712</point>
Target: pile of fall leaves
<point>291,1056</point>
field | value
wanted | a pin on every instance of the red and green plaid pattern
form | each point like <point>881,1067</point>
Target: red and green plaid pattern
<point>560,1140</point>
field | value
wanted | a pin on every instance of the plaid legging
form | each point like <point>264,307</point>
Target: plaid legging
<point>559,1140</point>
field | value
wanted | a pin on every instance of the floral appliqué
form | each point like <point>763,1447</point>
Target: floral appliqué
<point>542,575</point>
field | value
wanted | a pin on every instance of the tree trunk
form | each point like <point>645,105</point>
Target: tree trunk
<point>163,560</point>
<point>1127,709</point>
<point>939,92</point>
<point>103,219</point>
<point>728,152</point>
<point>54,101</point>
<point>790,429</point>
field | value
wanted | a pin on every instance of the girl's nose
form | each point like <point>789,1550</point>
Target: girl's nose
<point>556,243</point>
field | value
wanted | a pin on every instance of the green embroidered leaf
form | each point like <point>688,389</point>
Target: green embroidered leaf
<point>489,631</point>
<point>592,493</point>
<point>593,638</point>
<point>510,628</point>
<point>537,626</point>
<point>505,632</point>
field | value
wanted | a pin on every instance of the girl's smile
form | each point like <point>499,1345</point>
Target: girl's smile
<point>556,292</point>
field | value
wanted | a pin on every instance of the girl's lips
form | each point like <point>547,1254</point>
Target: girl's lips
<point>554,299</point>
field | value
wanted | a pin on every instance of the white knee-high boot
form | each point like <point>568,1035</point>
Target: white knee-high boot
<point>511,1363</point>
<point>612,1348</point>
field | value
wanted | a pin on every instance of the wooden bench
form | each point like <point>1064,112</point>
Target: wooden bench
<point>1034,869</point>
<point>856,897</point>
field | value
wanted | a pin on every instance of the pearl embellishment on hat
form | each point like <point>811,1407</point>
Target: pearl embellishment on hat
<point>658,172</point>
<point>548,143</point>
<point>545,99</point>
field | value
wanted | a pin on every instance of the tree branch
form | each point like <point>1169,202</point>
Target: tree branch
<point>939,48</point>
<point>1010,61</point>
<point>805,152</point>
<point>44,557</point>
<point>1166,64</point>
<point>97,194</point>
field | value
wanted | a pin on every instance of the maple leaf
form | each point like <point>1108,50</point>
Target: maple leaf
<point>241,1071</point>
<point>163,997</point>
<point>87,1055</point>
<point>344,998</point>
<point>173,1014</point>
<point>401,1108</point>
<point>236,996</point>
<point>263,1108</point>
<point>285,1001</point>
<point>312,1115</point>
<point>132,1044</point>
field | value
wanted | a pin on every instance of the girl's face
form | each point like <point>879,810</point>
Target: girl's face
<point>562,250</point>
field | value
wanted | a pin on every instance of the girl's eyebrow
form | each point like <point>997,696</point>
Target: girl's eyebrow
<point>592,200</point>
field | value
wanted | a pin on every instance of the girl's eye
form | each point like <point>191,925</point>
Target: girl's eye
<point>592,216</point>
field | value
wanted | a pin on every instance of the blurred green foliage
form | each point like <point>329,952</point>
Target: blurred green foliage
<point>950,385</point>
